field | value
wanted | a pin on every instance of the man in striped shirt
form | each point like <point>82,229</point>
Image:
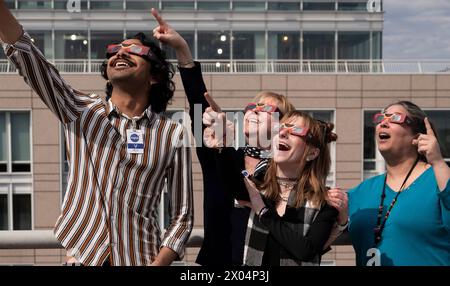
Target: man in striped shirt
<point>121,153</point>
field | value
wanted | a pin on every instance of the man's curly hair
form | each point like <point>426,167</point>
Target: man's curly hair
<point>161,93</point>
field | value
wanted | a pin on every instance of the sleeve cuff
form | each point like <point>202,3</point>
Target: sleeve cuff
<point>179,250</point>
<point>23,44</point>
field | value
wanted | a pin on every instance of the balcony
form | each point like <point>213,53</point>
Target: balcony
<point>276,66</point>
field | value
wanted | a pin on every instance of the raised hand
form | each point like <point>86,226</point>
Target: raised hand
<point>219,131</point>
<point>428,145</point>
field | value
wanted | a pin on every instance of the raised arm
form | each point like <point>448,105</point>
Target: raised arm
<point>37,72</point>
<point>10,29</point>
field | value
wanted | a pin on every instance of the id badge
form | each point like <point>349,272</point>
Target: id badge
<point>135,141</point>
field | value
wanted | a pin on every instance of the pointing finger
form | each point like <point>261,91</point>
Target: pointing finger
<point>428,126</point>
<point>212,103</point>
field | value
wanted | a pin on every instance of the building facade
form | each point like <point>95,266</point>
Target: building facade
<point>324,55</point>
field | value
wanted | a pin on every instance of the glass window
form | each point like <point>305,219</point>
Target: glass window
<point>284,6</point>
<point>4,212</point>
<point>318,45</point>
<point>20,142</point>
<point>353,45</point>
<point>43,40</point>
<point>369,141</point>
<point>178,5</point>
<point>3,144</point>
<point>352,6</point>
<point>100,40</point>
<point>71,45</point>
<point>15,134</point>
<point>213,5</point>
<point>62,5</point>
<point>141,5</point>
<point>190,39</point>
<point>284,45</point>
<point>106,5</point>
<point>10,4</point>
<point>249,6</point>
<point>440,119</point>
<point>214,45</point>
<point>22,211</point>
<point>26,5</point>
<point>248,45</point>
<point>377,46</point>
<point>318,6</point>
<point>2,54</point>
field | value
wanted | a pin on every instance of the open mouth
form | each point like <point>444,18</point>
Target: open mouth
<point>122,64</point>
<point>384,136</point>
<point>283,147</point>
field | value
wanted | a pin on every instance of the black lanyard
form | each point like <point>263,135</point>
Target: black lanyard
<point>380,225</point>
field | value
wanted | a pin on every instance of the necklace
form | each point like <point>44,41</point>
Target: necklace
<point>380,224</point>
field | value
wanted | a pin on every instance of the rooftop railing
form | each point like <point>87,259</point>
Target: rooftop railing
<point>45,239</point>
<point>277,66</point>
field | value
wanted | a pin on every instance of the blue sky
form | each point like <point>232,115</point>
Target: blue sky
<point>416,29</point>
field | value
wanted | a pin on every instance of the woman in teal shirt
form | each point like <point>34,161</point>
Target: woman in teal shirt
<point>402,217</point>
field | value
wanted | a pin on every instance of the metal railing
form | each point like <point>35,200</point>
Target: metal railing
<point>45,239</point>
<point>277,66</point>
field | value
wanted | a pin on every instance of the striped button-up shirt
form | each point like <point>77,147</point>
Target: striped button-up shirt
<point>112,198</point>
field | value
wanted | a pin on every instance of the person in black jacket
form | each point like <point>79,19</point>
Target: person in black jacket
<point>291,220</point>
<point>224,221</point>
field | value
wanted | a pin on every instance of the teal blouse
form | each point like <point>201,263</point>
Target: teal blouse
<point>417,231</point>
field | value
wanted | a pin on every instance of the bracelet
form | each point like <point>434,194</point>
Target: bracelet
<point>342,227</point>
<point>185,64</point>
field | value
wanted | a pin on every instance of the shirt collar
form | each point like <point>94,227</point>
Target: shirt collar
<point>113,110</point>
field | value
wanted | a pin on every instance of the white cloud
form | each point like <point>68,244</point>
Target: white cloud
<point>416,29</point>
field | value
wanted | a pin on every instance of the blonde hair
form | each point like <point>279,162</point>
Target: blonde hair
<point>283,103</point>
<point>311,184</point>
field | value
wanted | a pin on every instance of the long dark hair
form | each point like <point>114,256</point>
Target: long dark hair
<point>417,115</point>
<point>161,93</point>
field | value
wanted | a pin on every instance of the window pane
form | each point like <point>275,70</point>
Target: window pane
<point>20,136</point>
<point>22,211</point>
<point>100,40</point>
<point>2,54</point>
<point>284,45</point>
<point>213,5</point>
<point>71,45</point>
<point>35,4</point>
<point>248,45</point>
<point>369,135</point>
<point>318,6</point>
<point>3,212</point>
<point>353,45</point>
<point>43,40</point>
<point>352,6</point>
<point>188,36</point>
<point>377,48</point>
<point>141,5</point>
<point>106,5</point>
<point>214,45</point>
<point>62,5</point>
<point>318,46</point>
<point>177,5</point>
<point>249,6</point>
<point>441,122</point>
<point>3,138</point>
<point>10,4</point>
<point>284,6</point>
